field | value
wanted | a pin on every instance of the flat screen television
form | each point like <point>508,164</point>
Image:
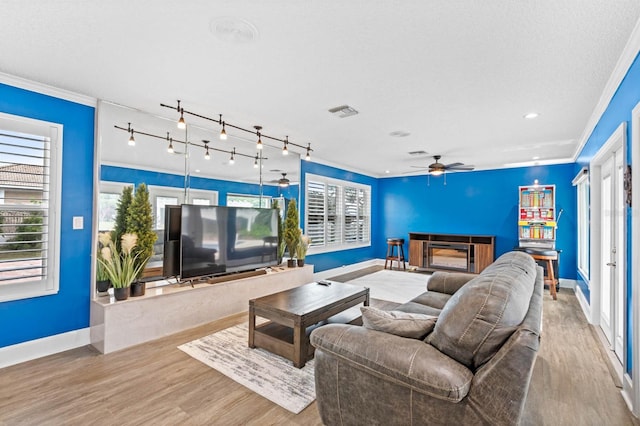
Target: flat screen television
<point>218,240</point>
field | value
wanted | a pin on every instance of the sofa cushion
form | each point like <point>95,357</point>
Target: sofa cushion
<point>404,324</point>
<point>433,299</point>
<point>481,316</point>
<point>448,282</point>
<point>418,308</point>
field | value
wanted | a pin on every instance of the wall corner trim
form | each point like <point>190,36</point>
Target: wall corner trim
<point>26,351</point>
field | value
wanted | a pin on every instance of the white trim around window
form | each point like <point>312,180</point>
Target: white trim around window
<point>581,182</point>
<point>337,214</point>
<point>49,259</point>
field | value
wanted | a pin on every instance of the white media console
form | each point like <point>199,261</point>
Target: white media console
<point>166,310</point>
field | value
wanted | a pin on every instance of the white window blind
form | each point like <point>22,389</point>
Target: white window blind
<point>29,173</point>
<point>337,213</point>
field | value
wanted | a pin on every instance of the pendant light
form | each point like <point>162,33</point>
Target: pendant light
<point>223,132</point>
<point>255,163</point>
<point>259,143</point>
<point>181,122</point>
<point>132,140</point>
<point>170,147</point>
<point>232,159</point>
<point>206,152</point>
<point>308,156</point>
<point>285,148</point>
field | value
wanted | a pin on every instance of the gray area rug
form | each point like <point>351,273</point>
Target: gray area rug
<point>394,286</point>
<point>267,374</point>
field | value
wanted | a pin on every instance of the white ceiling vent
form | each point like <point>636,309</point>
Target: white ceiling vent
<point>343,111</point>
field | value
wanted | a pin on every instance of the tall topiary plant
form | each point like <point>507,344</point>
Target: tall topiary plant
<point>122,210</point>
<point>292,229</point>
<point>140,222</point>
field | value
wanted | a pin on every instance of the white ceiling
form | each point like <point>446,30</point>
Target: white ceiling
<point>457,75</point>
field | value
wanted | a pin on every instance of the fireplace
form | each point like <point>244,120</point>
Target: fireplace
<point>450,256</point>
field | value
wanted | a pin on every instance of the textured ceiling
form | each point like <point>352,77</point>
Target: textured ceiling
<point>458,76</point>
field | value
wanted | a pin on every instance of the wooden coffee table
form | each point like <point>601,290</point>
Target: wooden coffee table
<point>294,313</point>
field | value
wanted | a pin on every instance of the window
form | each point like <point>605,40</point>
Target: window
<point>581,182</point>
<point>338,213</point>
<point>108,204</point>
<point>244,200</point>
<point>29,222</point>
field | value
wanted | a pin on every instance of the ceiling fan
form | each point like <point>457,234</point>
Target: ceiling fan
<point>437,168</point>
<point>283,182</point>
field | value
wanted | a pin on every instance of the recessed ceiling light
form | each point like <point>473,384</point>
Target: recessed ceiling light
<point>531,115</point>
<point>197,170</point>
<point>387,171</point>
<point>536,158</point>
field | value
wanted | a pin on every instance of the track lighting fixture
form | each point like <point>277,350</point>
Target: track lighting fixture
<point>170,147</point>
<point>206,150</point>
<point>223,132</point>
<point>232,159</point>
<point>181,123</point>
<point>132,140</point>
<point>255,162</point>
<point>259,143</point>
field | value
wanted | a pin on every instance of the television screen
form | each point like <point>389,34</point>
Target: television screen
<point>217,240</point>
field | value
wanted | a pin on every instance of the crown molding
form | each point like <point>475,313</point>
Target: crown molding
<point>627,57</point>
<point>45,89</point>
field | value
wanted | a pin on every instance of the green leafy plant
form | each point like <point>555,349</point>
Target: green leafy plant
<point>303,246</point>
<point>121,267</point>
<point>28,233</point>
<point>139,221</point>
<point>291,228</point>
<point>122,210</point>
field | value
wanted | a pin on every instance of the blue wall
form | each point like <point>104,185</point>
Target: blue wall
<point>224,187</point>
<point>483,202</point>
<point>29,319</point>
<point>340,258</point>
<point>618,111</point>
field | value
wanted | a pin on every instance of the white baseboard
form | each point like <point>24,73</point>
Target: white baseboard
<point>21,352</point>
<point>627,391</point>
<point>586,308</point>
<point>567,283</point>
<point>345,269</point>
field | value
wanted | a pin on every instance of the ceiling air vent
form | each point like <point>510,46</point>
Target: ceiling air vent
<point>343,111</point>
<point>418,153</point>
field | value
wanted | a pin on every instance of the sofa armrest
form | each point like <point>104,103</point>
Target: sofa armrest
<point>409,362</point>
<point>448,282</point>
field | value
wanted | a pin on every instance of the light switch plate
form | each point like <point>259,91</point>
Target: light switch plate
<point>78,222</point>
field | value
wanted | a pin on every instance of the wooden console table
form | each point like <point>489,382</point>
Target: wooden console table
<point>451,252</point>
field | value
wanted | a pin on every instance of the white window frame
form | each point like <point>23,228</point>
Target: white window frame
<point>342,245</point>
<point>581,182</point>
<point>109,187</point>
<point>170,191</point>
<point>51,283</point>
<point>268,198</point>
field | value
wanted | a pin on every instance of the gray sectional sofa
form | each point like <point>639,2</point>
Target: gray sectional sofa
<point>473,368</point>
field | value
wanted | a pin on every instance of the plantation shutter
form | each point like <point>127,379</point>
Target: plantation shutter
<point>24,206</point>
<point>316,208</point>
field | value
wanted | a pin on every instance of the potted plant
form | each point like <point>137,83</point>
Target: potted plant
<point>291,231</point>
<point>301,250</point>
<point>139,221</point>
<point>102,278</point>
<point>122,209</point>
<point>122,267</point>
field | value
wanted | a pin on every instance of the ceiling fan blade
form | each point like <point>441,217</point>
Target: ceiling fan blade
<point>448,166</point>
<point>461,167</point>
<point>419,167</point>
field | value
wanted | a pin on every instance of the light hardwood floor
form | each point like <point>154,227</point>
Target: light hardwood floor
<point>157,384</point>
